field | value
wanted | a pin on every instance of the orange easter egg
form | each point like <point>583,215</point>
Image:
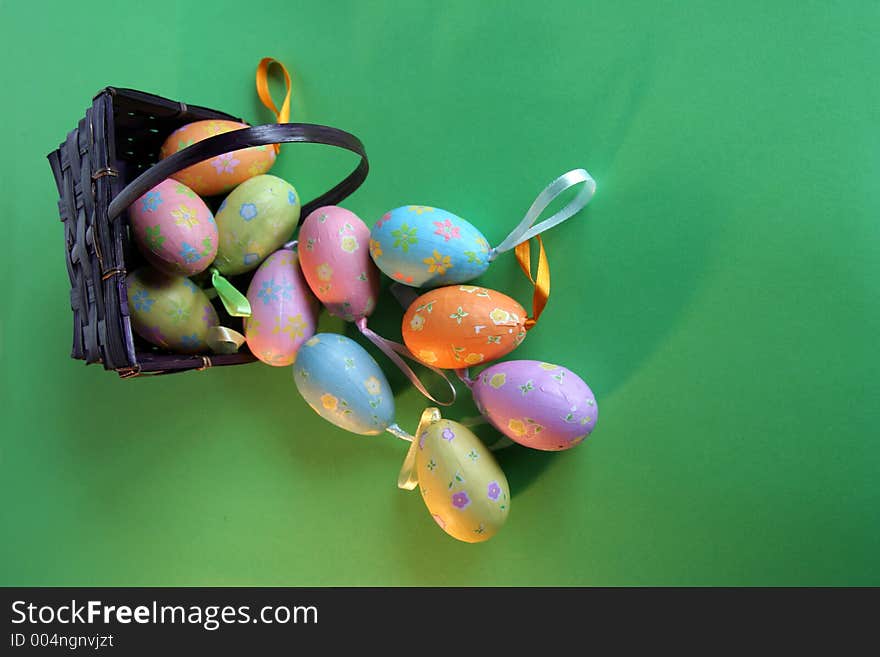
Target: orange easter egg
<point>220,174</point>
<point>463,325</point>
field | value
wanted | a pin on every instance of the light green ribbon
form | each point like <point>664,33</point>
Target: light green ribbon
<point>527,228</point>
<point>235,302</point>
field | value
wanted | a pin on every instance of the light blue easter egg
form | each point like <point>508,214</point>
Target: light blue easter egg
<point>344,384</point>
<point>423,246</point>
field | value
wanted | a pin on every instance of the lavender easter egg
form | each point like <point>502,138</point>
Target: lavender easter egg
<point>423,246</point>
<point>284,313</point>
<point>169,311</point>
<point>255,219</point>
<point>539,405</point>
<point>461,483</point>
<point>335,257</point>
<point>174,229</point>
<point>221,173</point>
<point>344,384</point>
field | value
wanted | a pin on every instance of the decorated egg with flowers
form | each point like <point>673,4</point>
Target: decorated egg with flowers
<point>335,256</point>
<point>423,246</point>
<point>536,404</point>
<point>174,229</point>
<point>169,311</point>
<point>461,483</point>
<point>255,219</point>
<point>284,312</point>
<point>219,174</point>
<point>344,384</point>
<point>463,325</point>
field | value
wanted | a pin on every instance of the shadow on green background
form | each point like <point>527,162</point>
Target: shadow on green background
<point>719,295</point>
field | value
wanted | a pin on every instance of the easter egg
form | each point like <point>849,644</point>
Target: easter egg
<point>539,405</point>
<point>463,325</point>
<point>428,247</point>
<point>253,221</point>
<point>169,311</point>
<point>343,384</point>
<point>335,256</point>
<point>219,174</point>
<point>283,311</point>
<point>461,483</point>
<point>174,229</point>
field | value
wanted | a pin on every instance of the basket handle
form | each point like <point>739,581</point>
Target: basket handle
<point>261,135</point>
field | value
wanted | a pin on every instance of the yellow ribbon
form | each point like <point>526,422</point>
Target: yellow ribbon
<point>408,478</point>
<point>282,115</point>
<point>541,282</point>
<point>224,340</point>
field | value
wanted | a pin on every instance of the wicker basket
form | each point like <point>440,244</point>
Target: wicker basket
<point>103,166</point>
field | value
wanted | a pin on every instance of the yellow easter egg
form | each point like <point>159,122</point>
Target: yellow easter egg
<point>461,483</point>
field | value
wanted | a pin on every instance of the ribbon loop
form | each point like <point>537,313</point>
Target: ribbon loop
<point>521,236</point>
<point>542,280</point>
<point>282,115</point>
<point>394,351</point>
<point>408,478</point>
<point>223,340</point>
<point>527,228</point>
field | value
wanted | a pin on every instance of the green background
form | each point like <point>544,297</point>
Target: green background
<point>720,295</point>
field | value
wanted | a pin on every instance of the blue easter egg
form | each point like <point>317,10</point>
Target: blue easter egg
<point>423,246</point>
<point>344,384</point>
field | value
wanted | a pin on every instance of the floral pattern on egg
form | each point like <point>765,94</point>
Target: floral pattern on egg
<point>341,382</point>
<point>222,173</point>
<point>284,313</point>
<point>539,405</point>
<point>335,255</point>
<point>255,220</point>
<point>169,311</point>
<point>424,246</point>
<point>461,483</point>
<point>463,325</point>
<point>174,229</point>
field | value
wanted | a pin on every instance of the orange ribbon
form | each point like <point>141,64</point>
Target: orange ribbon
<point>282,115</point>
<point>541,282</point>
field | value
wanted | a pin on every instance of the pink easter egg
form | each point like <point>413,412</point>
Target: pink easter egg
<point>334,248</point>
<point>284,313</point>
<point>174,229</point>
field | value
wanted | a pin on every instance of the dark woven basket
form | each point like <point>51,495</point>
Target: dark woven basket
<point>103,166</point>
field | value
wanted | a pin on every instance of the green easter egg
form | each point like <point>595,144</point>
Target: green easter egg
<point>170,311</point>
<point>254,221</point>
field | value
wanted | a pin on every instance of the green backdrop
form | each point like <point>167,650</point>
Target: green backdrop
<point>720,295</point>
